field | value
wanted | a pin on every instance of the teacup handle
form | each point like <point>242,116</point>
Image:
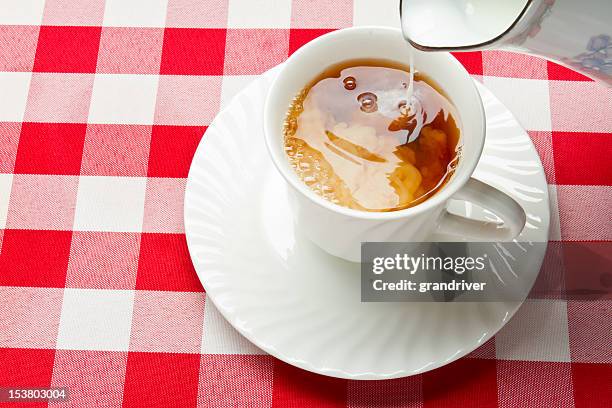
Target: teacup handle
<point>489,198</point>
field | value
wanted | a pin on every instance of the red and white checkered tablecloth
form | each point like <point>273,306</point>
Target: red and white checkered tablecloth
<point>102,104</point>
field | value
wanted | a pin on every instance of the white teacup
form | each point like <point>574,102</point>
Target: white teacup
<point>340,230</point>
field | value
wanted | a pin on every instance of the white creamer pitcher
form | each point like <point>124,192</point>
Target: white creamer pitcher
<point>574,33</point>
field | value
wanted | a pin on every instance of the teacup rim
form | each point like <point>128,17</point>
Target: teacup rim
<point>439,198</point>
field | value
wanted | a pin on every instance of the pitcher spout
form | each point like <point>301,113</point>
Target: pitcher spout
<point>577,34</point>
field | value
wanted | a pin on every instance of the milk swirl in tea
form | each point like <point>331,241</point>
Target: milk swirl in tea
<point>360,137</point>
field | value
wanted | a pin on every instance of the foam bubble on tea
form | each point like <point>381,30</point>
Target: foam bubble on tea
<point>364,135</point>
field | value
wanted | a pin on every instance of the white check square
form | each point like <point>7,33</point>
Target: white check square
<point>381,13</point>
<point>113,204</point>
<point>527,99</point>
<point>259,14</point>
<point>6,182</point>
<point>14,87</point>
<point>127,99</point>
<point>218,337</point>
<point>21,12</point>
<point>135,13</point>
<point>95,319</point>
<point>538,332</point>
<point>555,224</point>
<point>232,84</point>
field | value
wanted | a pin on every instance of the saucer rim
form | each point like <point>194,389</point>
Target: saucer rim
<point>512,307</point>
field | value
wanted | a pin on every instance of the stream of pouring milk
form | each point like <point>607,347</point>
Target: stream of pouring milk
<point>411,76</point>
<point>413,106</point>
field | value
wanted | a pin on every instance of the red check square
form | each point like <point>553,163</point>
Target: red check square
<point>34,258</point>
<point>17,47</point>
<point>165,264</point>
<point>50,148</point>
<point>561,73</point>
<point>300,36</point>
<point>582,158</point>
<point>449,386</point>
<point>300,388</point>
<point>193,51</point>
<point>172,148</point>
<point>591,383</point>
<point>587,277</point>
<point>67,49</point>
<point>26,368</point>
<point>471,61</point>
<point>161,380</point>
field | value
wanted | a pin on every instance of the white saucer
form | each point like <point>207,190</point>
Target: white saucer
<point>303,306</point>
